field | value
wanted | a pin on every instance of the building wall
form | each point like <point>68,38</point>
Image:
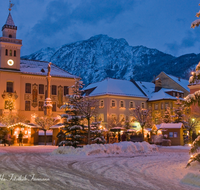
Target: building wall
<point>107,111</point>
<point>19,81</point>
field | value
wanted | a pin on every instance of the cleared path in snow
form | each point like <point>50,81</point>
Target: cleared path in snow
<point>155,171</point>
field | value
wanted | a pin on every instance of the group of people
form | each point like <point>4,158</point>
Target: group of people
<point>8,139</point>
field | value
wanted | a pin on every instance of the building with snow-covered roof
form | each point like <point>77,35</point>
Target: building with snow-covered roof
<point>23,83</point>
<point>117,98</point>
<point>163,93</point>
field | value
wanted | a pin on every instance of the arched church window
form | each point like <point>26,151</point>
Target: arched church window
<point>10,36</point>
<point>10,52</point>
<point>6,52</point>
<point>15,53</point>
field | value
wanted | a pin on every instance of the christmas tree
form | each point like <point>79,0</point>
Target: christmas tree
<point>74,130</point>
<point>97,136</point>
<point>167,116</point>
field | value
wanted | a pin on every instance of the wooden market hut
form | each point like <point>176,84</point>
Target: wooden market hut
<point>30,133</point>
<point>174,132</point>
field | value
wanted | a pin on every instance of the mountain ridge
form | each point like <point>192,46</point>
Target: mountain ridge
<point>102,56</point>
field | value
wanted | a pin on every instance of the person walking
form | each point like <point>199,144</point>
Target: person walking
<point>20,137</point>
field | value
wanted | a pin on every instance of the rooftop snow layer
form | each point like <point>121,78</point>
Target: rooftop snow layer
<point>171,125</point>
<point>147,87</point>
<point>35,67</point>
<point>162,95</point>
<point>118,87</point>
<point>182,82</point>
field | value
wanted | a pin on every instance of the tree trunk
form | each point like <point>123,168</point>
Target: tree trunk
<point>45,137</point>
<point>88,130</point>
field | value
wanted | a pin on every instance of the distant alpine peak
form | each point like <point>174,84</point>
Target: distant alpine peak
<point>102,56</point>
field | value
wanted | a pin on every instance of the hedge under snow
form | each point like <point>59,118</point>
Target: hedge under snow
<point>116,148</point>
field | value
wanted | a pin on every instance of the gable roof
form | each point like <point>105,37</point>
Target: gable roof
<point>36,68</point>
<point>182,82</point>
<point>171,125</point>
<point>117,87</point>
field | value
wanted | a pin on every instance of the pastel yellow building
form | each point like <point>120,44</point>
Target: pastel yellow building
<point>23,83</point>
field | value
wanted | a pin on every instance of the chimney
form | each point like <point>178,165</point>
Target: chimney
<point>158,84</point>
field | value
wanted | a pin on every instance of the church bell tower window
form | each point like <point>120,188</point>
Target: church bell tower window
<point>14,53</point>
<point>10,52</point>
<point>6,53</point>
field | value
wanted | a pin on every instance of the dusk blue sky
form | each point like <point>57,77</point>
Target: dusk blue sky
<point>161,24</point>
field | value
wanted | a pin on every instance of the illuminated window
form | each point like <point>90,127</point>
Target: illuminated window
<point>10,52</point>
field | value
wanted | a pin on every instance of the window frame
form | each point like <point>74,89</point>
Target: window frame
<point>66,90</point>
<point>9,87</point>
<point>41,85</point>
<point>54,91</point>
<point>28,88</point>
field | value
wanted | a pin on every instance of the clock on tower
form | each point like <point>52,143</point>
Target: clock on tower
<point>10,46</point>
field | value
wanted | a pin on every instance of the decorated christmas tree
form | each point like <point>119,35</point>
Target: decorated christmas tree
<point>179,112</point>
<point>74,133</point>
<point>97,136</point>
<point>167,118</point>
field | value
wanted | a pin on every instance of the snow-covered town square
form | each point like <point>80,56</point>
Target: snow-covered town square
<point>99,95</point>
<point>138,168</point>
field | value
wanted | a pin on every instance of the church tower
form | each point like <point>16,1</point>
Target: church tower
<point>10,46</point>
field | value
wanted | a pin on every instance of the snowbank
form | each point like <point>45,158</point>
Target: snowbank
<point>100,149</point>
<point>193,175</point>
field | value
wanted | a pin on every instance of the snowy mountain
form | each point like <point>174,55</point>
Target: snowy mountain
<point>102,56</point>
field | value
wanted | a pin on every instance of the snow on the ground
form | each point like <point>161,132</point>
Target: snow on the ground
<point>193,175</point>
<point>111,149</point>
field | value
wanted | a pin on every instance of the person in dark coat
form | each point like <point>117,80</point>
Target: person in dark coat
<point>20,137</point>
<point>124,137</point>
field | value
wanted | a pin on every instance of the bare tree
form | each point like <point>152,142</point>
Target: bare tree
<point>45,122</point>
<point>143,116</point>
<point>88,108</point>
